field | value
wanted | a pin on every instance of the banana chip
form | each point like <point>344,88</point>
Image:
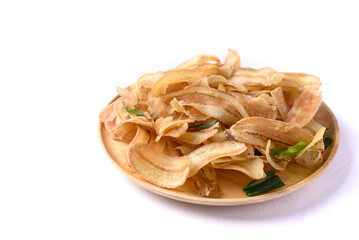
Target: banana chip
<point>257,131</point>
<point>263,77</point>
<point>304,108</point>
<point>206,181</point>
<point>299,81</point>
<point>279,100</point>
<point>157,168</point>
<point>168,127</point>
<point>176,76</point>
<point>198,60</point>
<point>198,137</point>
<point>205,154</point>
<point>251,167</point>
<point>260,106</point>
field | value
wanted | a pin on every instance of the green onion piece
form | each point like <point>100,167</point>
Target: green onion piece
<point>272,183</point>
<point>255,183</point>
<point>205,125</point>
<point>291,151</point>
<point>138,112</point>
<point>327,142</point>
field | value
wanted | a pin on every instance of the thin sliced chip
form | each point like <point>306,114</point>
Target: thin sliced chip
<point>216,111</point>
<point>219,137</point>
<point>158,107</point>
<point>158,146</point>
<point>198,137</point>
<point>270,160</point>
<point>209,69</point>
<point>198,60</point>
<point>175,76</point>
<point>256,93</point>
<point>109,117</point>
<point>257,131</point>
<point>169,127</point>
<point>256,77</point>
<point>142,137</point>
<point>206,181</point>
<point>251,167</point>
<point>205,154</point>
<point>232,59</point>
<point>157,168</point>
<point>219,162</point>
<point>317,138</point>
<point>145,83</point>
<point>304,108</point>
<point>159,160</point>
<point>123,127</point>
<point>300,81</point>
<point>170,148</point>
<point>257,106</point>
<point>279,100</point>
<point>186,149</point>
<point>215,81</point>
<point>124,132</point>
<point>239,110</point>
<point>311,158</point>
<point>177,106</point>
<point>226,71</point>
<point>128,95</point>
<point>122,113</point>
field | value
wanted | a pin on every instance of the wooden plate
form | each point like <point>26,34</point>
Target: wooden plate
<point>231,182</point>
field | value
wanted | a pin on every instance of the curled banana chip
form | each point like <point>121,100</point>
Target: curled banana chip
<point>258,130</point>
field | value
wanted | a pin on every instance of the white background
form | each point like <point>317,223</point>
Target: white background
<point>60,63</point>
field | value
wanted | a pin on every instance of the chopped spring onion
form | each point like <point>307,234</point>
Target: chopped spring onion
<point>138,112</point>
<point>205,125</point>
<point>270,182</point>
<point>291,151</point>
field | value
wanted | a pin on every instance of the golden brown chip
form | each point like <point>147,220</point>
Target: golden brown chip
<point>263,77</point>
<point>257,131</point>
<point>279,100</point>
<point>157,168</point>
<point>176,76</point>
<point>317,138</point>
<point>304,108</point>
<point>198,137</point>
<point>257,106</point>
<point>206,181</point>
<point>212,102</point>
<point>169,127</point>
<point>251,167</point>
<point>198,60</point>
<point>233,60</point>
<point>205,154</point>
<point>300,81</point>
<point>270,160</point>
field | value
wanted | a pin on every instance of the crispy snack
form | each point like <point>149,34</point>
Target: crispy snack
<point>205,115</point>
